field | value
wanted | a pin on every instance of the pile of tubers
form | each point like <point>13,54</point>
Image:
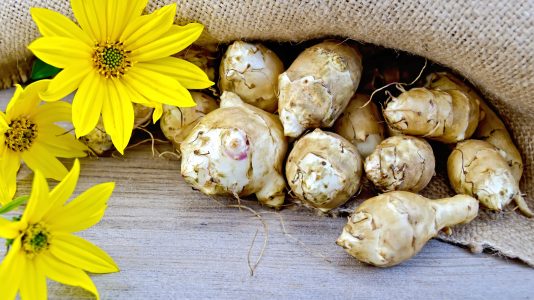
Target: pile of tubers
<point>307,131</point>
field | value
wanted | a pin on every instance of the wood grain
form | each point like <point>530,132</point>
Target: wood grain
<point>172,242</point>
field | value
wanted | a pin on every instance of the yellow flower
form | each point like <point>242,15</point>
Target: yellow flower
<point>117,56</point>
<point>43,243</point>
<point>8,184</point>
<point>28,133</point>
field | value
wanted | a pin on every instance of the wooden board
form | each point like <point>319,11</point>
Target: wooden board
<point>172,242</point>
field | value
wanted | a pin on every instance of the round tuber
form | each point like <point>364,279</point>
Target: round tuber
<point>251,71</point>
<point>324,170</point>
<point>237,150</point>
<point>401,163</point>
<point>390,228</point>
<point>317,87</point>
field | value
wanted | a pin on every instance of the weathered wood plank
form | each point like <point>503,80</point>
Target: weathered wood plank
<point>172,242</point>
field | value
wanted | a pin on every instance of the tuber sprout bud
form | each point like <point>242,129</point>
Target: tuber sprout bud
<point>490,128</point>
<point>177,122</point>
<point>390,228</point>
<point>478,169</point>
<point>401,163</point>
<point>446,116</point>
<point>237,150</point>
<point>324,170</point>
<point>317,87</point>
<point>361,124</point>
<point>251,71</point>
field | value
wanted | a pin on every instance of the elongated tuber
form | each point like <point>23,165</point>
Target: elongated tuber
<point>324,170</point>
<point>477,168</point>
<point>177,122</point>
<point>251,71</point>
<point>317,87</point>
<point>490,128</point>
<point>446,116</point>
<point>392,227</point>
<point>401,163</point>
<point>361,124</point>
<point>237,150</point>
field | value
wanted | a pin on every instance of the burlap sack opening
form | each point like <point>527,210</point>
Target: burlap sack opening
<point>489,42</point>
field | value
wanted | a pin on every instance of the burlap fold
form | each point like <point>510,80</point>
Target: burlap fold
<point>489,42</point>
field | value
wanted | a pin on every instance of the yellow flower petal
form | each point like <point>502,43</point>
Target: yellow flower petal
<point>87,104</point>
<point>61,272</point>
<point>51,23</point>
<point>66,81</point>
<point>188,74</point>
<point>173,41</point>
<point>118,117</point>
<point>62,191</point>
<point>148,28</point>
<point>3,123</point>
<point>158,111</point>
<point>61,52</point>
<point>38,203</point>
<point>9,166</point>
<point>12,271</point>
<point>83,212</point>
<point>25,101</point>
<point>49,113</point>
<point>38,158</point>
<point>82,254</point>
<point>33,286</point>
<point>83,19</point>
<point>158,87</point>
<point>8,229</point>
<point>60,143</point>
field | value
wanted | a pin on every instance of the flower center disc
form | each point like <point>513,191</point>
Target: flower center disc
<point>21,134</point>
<point>35,239</point>
<point>111,60</point>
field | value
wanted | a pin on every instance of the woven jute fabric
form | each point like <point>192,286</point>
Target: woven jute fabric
<point>489,42</point>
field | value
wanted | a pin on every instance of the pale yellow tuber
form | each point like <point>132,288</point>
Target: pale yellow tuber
<point>446,116</point>
<point>237,150</point>
<point>361,124</point>
<point>251,71</point>
<point>177,122</point>
<point>490,128</point>
<point>203,57</point>
<point>324,170</point>
<point>393,227</point>
<point>477,168</point>
<point>401,163</point>
<point>318,86</point>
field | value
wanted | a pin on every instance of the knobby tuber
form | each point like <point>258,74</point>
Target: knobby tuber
<point>237,150</point>
<point>251,71</point>
<point>317,87</point>
<point>390,228</point>
<point>477,168</point>
<point>447,116</point>
<point>324,170</point>
<point>402,163</point>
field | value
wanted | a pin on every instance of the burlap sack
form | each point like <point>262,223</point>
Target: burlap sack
<point>490,42</point>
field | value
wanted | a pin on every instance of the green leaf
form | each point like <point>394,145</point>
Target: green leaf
<point>42,70</point>
<point>13,204</point>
